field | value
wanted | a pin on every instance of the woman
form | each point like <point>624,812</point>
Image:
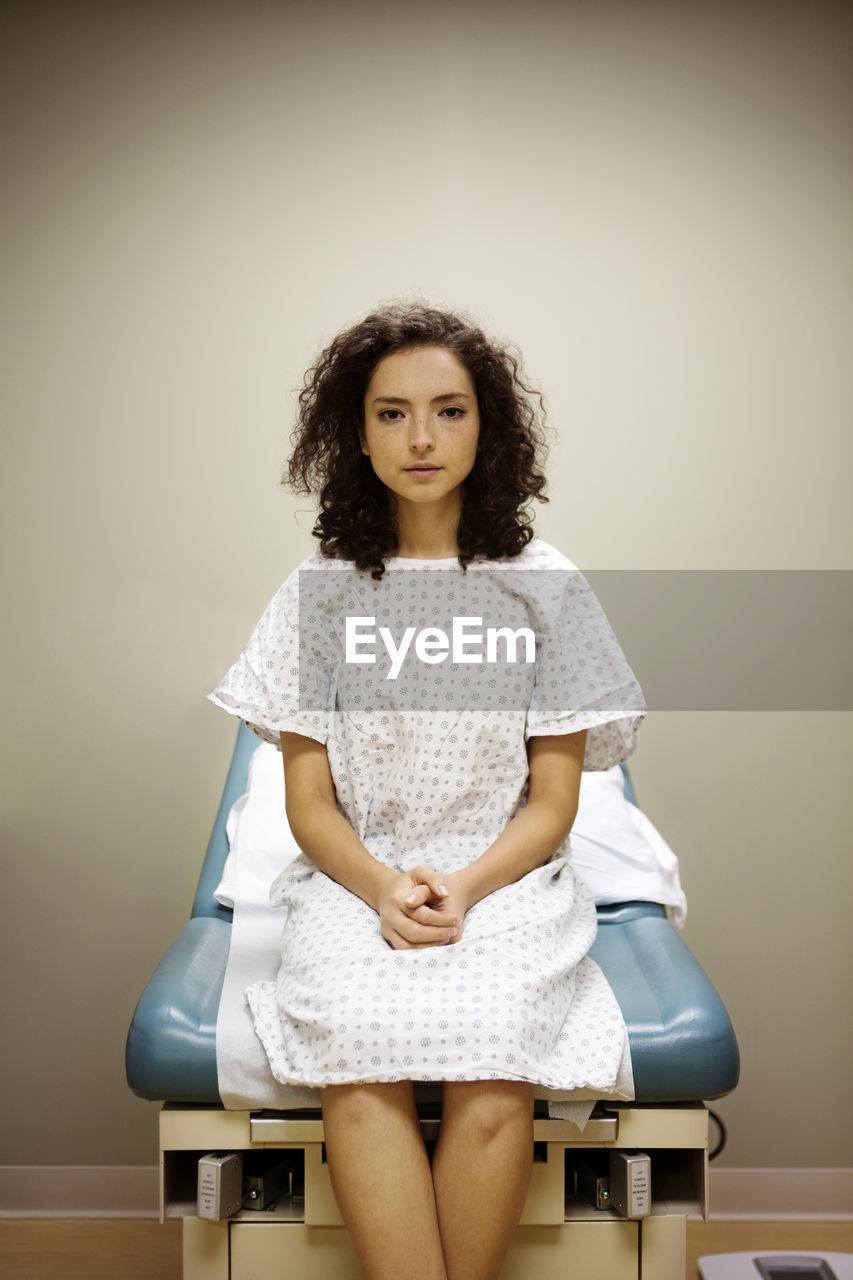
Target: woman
<point>435,930</point>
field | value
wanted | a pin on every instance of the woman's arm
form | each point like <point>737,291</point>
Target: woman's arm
<point>326,837</point>
<point>529,839</point>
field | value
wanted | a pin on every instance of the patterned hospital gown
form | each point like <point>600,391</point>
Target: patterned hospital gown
<point>429,767</point>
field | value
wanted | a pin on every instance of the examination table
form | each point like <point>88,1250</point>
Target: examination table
<point>683,1053</point>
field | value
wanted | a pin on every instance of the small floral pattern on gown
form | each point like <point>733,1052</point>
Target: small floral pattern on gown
<point>517,996</point>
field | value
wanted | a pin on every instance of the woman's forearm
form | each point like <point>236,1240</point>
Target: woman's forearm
<point>527,841</point>
<point>536,831</point>
<point>319,828</point>
<point>327,838</point>
<point>400,899</point>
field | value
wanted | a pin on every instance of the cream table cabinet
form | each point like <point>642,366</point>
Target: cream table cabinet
<point>560,1235</point>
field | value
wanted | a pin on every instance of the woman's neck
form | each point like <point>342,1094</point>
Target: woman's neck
<point>426,534</point>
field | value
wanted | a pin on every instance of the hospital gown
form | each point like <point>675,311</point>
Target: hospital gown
<point>429,766</point>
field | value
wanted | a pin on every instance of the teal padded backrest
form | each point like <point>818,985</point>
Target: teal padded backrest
<point>629,786</point>
<point>217,848</point>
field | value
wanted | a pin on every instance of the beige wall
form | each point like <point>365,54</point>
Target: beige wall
<point>653,200</point>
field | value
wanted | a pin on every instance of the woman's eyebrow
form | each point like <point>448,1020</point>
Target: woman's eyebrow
<point>451,395</point>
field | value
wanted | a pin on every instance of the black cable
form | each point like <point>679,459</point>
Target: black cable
<point>712,1155</point>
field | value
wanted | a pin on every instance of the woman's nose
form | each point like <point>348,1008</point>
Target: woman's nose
<point>421,435</point>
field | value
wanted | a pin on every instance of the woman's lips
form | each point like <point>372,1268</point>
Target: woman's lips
<point>422,473</point>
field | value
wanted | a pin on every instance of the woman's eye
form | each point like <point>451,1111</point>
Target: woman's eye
<point>453,412</point>
<point>390,415</point>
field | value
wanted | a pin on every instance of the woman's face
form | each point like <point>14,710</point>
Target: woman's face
<point>421,425</point>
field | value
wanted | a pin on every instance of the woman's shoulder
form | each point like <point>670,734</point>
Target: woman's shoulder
<point>302,583</point>
<point>316,563</point>
<point>539,554</point>
<point>317,560</point>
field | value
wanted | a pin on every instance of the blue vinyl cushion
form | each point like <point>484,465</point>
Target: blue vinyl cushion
<point>683,1047</point>
<point>171,1045</point>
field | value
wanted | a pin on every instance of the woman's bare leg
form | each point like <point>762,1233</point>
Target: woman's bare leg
<point>481,1173</point>
<point>382,1181</point>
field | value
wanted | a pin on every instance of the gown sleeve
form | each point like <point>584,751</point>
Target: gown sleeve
<point>273,686</point>
<point>583,680</point>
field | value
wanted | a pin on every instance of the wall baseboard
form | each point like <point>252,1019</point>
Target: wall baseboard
<point>781,1195</point>
<point>131,1191</point>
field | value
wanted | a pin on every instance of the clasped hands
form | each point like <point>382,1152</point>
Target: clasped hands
<point>420,908</point>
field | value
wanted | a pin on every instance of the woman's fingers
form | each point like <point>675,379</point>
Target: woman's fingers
<point>428,892</point>
<point>431,916</point>
<point>401,943</point>
<point>444,930</point>
<point>427,929</point>
<point>411,913</point>
<point>418,896</point>
<point>433,880</point>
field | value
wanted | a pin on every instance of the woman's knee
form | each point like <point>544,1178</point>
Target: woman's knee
<point>366,1104</point>
<point>489,1107</point>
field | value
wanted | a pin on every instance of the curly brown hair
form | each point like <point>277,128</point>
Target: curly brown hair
<point>356,520</point>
